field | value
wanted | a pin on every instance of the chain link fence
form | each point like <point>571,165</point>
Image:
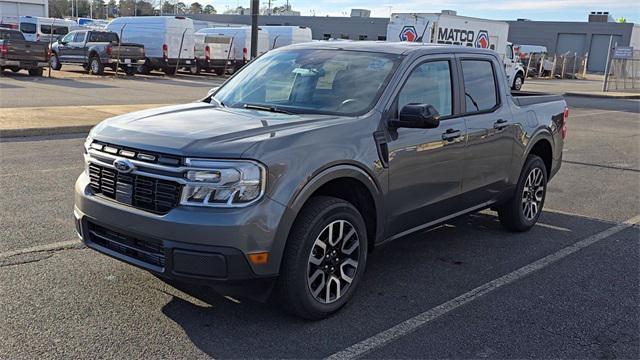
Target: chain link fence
<point>624,74</point>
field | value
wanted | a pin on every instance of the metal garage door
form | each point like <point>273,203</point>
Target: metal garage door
<point>598,51</point>
<point>572,43</point>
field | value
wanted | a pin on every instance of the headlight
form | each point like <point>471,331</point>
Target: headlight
<point>220,183</point>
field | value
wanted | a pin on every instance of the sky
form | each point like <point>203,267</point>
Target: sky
<point>553,10</point>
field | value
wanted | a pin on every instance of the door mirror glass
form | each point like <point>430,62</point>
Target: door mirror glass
<point>423,116</point>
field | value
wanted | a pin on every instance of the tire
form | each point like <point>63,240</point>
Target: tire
<point>95,65</point>
<point>54,62</point>
<point>169,70</point>
<point>35,72</point>
<point>15,69</point>
<point>302,285</point>
<point>129,70</point>
<point>195,69</point>
<point>218,71</point>
<point>517,82</point>
<point>521,212</point>
<point>144,69</point>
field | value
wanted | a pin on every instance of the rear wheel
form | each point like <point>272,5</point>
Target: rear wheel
<point>95,66</point>
<point>521,212</point>
<point>325,258</point>
<point>517,82</point>
<point>129,70</point>
<point>54,62</point>
<point>169,70</point>
<point>35,72</point>
<point>195,69</point>
<point>144,69</point>
<point>219,71</point>
<point>15,69</point>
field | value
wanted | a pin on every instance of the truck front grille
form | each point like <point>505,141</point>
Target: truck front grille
<point>142,192</point>
<point>147,251</point>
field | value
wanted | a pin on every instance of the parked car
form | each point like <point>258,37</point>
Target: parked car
<point>214,53</point>
<point>167,40</point>
<point>43,29</point>
<point>288,175</point>
<point>95,50</point>
<point>280,36</point>
<point>16,53</point>
<point>241,38</point>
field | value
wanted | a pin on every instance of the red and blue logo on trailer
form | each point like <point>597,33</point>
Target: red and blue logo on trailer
<point>482,41</point>
<point>408,33</point>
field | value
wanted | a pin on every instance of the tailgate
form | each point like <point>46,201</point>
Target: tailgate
<point>128,51</point>
<point>26,51</point>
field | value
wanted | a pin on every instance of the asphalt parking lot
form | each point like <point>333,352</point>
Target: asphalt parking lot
<point>567,289</point>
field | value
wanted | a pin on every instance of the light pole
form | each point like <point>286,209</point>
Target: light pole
<point>255,6</point>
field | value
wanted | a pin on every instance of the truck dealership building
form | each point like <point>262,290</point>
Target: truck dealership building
<point>559,37</point>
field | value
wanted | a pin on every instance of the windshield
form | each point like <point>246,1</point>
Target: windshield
<point>311,81</point>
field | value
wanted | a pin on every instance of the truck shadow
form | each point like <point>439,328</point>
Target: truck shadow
<point>404,278</point>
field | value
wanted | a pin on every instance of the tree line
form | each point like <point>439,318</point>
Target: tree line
<point>101,9</point>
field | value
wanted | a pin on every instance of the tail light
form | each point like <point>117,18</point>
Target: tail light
<point>109,50</point>
<point>564,123</point>
<point>207,52</point>
<point>4,49</point>
<point>165,51</point>
<point>244,54</point>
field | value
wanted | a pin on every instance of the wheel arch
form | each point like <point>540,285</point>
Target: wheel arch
<point>542,146</point>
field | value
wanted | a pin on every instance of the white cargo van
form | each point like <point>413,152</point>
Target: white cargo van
<point>449,28</point>
<point>241,42</point>
<point>287,35</point>
<point>166,40</point>
<point>214,53</point>
<point>37,28</point>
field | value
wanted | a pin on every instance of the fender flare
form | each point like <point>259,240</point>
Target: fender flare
<point>542,134</point>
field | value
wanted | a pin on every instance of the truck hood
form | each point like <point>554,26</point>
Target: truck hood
<point>202,129</point>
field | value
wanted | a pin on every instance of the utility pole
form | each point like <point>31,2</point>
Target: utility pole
<point>255,6</point>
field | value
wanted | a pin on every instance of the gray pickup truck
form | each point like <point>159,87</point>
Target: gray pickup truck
<point>16,53</point>
<point>95,50</point>
<point>282,181</point>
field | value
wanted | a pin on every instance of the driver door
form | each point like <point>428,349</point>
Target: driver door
<point>426,165</point>
<point>63,46</point>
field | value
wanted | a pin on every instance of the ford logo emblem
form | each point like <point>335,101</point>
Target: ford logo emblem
<point>124,165</point>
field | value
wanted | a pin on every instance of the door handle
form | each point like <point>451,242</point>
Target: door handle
<point>451,134</point>
<point>500,124</point>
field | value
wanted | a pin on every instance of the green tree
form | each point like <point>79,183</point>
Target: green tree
<point>195,8</point>
<point>59,8</point>
<point>209,10</point>
<point>168,8</point>
<point>181,8</point>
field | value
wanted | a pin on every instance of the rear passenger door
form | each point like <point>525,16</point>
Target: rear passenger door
<point>425,165</point>
<point>490,130</point>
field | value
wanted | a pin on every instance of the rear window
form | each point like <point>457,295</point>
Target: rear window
<point>28,28</point>
<point>479,85</point>
<point>10,35</point>
<point>103,37</point>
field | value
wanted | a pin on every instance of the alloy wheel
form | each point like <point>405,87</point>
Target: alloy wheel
<point>95,66</point>
<point>533,194</point>
<point>518,83</point>
<point>333,261</point>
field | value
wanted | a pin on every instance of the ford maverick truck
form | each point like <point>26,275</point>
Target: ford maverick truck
<point>282,181</point>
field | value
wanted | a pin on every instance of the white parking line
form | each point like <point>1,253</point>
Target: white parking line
<point>408,326</point>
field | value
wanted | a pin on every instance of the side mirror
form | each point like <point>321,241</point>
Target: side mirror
<point>421,116</point>
<point>62,42</point>
<point>212,91</point>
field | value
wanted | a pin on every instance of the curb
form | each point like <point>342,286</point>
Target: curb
<point>602,96</point>
<point>7,133</point>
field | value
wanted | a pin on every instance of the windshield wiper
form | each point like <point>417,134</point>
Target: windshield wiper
<point>266,108</point>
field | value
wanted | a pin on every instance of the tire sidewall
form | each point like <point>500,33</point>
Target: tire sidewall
<point>515,87</point>
<point>338,211</point>
<point>533,162</point>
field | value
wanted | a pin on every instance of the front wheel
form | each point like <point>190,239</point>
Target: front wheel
<point>521,212</point>
<point>35,72</point>
<point>517,82</point>
<point>324,260</point>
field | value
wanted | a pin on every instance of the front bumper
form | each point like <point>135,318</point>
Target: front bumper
<point>205,246</point>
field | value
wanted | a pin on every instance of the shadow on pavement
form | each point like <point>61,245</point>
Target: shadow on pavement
<point>404,278</point>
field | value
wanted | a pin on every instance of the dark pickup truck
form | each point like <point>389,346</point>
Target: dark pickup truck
<point>16,53</point>
<point>95,50</point>
<point>287,176</point>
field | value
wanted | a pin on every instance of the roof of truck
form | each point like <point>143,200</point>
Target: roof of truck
<point>390,47</point>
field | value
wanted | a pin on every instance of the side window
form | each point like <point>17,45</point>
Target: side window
<point>479,85</point>
<point>28,28</point>
<point>429,83</point>
<point>509,52</point>
<point>69,37</point>
<point>80,36</point>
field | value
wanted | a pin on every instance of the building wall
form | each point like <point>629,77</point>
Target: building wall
<point>24,8</point>
<point>352,27</point>
<point>578,37</point>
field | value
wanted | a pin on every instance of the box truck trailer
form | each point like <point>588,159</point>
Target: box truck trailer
<point>449,28</point>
